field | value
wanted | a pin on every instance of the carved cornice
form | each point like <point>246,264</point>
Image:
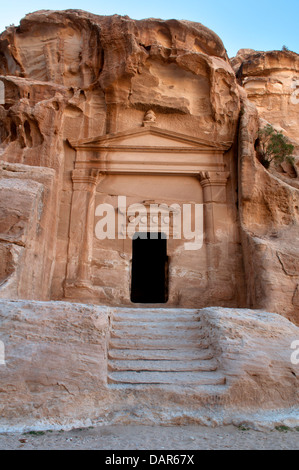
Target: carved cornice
<point>150,151</point>
<point>110,141</point>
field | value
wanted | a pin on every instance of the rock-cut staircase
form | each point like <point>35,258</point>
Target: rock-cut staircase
<point>159,347</point>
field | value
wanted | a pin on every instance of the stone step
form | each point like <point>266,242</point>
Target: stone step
<point>153,317</point>
<point>163,365</point>
<point>175,378</point>
<point>153,310</point>
<point>173,325</point>
<point>156,354</point>
<point>144,343</point>
<point>155,333</point>
<point>211,391</point>
<point>150,316</point>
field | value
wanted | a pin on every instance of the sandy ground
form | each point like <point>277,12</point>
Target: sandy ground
<point>153,438</point>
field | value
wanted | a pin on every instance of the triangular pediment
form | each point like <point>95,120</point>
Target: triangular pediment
<point>148,137</point>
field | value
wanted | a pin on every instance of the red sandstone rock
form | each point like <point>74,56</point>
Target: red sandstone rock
<point>100,107</point>
<point>72,77</point>
<point>243,371</point>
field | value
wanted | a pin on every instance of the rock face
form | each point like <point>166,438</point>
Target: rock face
<point>268,200</point>
<point>112,127</point>
<point>78,85</point>
<point>27,242</point>
<point>46,378</point>
<point>270,81</point>
<point>56,360</point>
<point>83,93</point>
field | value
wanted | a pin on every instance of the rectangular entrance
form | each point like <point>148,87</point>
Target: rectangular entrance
<point>149,282</point>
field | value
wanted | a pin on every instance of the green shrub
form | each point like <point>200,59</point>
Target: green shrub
<point>274,146</point>
<point>282,428</point>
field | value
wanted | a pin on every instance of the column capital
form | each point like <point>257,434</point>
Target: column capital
<point>85,180</point>
<point>214,185</point>
<point>213,177</point>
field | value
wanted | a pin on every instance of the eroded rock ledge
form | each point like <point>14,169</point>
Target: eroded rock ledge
<point>55,372</point>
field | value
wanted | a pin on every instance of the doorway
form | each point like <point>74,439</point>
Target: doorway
<point>149,283</point>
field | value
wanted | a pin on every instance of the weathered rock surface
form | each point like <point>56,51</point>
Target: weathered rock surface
<point>269,219</point>
<point>73,75</point>
<point>70,75</point>
<point>170,66</point>
<point>55,361</point>
<point>55,372</point>
<point>253,348</point>
<point>27,228</point>
<point>97,107</point>
<point>270,80</point>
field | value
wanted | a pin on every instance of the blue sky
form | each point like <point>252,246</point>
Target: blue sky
<point>255,24</point>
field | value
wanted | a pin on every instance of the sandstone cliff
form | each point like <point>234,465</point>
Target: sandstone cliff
<point>269,199</point>
<point>76,86</point>
<point>74,75</point>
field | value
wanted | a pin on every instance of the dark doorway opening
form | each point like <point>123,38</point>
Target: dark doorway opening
<point>149,268</point>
